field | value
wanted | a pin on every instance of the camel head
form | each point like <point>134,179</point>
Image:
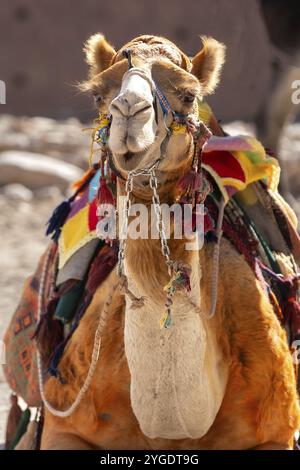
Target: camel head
<point>139,130</point>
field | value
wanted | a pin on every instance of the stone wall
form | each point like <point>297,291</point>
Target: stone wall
<point>41,42</point>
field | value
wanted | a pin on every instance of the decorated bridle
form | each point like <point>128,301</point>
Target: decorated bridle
<point>193,186</point>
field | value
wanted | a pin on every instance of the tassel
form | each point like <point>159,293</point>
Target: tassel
<point>49,333</point>
<point>60,214</point>
<point>105,203</point>
<point>180,279</point>
<point>28,440</point>
<point>58,219</point>
<point>291,308</point>
<point>188,185</point>
<point>166,321</point>
<point>13,420</point>
<point>22,428</point>
<point>194,188</point>
<point>56,357</point>
<point>104,196</point>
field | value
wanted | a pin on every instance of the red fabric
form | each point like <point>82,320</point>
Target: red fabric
<point>93,219</point>
<point>224,164</point>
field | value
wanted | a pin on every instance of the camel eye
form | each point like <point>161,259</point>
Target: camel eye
<point>98,99</point>
<point>189,98</point>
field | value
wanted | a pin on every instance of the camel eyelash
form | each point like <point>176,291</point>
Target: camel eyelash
<point>189,97</point>
<point>186,96</point>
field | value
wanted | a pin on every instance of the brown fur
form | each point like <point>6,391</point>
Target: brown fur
<point>260,408</point>
<point>208,63</point>
<point>99,53</point>
<point>260,404</point>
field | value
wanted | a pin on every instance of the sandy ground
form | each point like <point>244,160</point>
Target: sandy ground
<point>22,224</point>
<point>22,227</point>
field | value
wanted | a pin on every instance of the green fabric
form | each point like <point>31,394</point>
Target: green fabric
<point>68,303</point>
<point>22,428</point>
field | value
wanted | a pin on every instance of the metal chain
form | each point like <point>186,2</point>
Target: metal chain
<point>196,128</point>
<point>126,209</point>
<point>159,221</point>
<point>157,209</point>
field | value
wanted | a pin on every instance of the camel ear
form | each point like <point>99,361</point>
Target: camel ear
<point>207,64</point>
<point>98,53</point>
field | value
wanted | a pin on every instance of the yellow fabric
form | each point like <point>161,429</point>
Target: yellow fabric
<point>74,235</point>
<point>177,128</point>
<point>251,158</point>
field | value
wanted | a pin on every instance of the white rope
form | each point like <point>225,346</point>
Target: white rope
<point>215,262</point>
<point>95,353</point>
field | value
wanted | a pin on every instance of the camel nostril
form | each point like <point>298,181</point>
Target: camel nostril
<point>138,109</point>
<point>120,106</point>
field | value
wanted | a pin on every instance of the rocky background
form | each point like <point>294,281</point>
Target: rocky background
<point>41,49</point>
<point>39,158</point>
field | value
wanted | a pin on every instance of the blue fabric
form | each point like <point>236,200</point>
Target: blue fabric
<point>94,185</point>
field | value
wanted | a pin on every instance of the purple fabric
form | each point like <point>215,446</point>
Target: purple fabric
<point>79,204</point>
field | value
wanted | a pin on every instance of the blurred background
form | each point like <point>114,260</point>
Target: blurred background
<point>42,146</point>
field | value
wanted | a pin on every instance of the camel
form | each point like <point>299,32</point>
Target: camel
<point>225,382</point>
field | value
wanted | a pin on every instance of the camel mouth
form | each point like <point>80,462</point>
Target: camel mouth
<point>128,155</point>
<point>129,161</point>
